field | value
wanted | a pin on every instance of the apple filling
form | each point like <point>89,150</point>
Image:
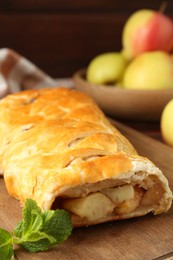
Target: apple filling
<point>119,200</point>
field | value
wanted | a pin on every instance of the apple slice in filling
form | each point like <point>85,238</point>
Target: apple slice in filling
<point>119,194</point>
<point>92,207</point>
<point>125,197</point>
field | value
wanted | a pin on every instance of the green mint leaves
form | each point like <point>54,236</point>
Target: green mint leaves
<point>6,245</point>
<point>38,231</point>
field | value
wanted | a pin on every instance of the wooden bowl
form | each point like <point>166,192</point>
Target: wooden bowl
<point>141,105</point>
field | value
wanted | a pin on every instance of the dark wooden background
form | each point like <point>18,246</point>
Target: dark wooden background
<point>61,36</point>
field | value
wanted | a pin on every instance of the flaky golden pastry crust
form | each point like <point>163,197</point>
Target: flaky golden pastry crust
<point>57,143</point>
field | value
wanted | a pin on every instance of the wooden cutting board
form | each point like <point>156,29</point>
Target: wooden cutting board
<point>142,238</point>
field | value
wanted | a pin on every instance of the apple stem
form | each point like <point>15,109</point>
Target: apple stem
<point>163,7</point>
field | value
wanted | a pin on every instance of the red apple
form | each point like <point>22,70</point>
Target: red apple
<point>147,30</point>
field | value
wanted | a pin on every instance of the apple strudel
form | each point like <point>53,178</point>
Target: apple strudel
<point>58,148</point>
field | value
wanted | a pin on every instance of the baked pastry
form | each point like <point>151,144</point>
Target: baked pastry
<point>58,148</point>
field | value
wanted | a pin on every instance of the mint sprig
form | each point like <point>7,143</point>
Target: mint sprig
<point>37,231</point>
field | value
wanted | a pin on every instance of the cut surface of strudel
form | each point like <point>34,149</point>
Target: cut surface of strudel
<point>58,148</point>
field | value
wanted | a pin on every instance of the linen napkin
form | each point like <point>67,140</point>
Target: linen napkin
<point>17,73</point>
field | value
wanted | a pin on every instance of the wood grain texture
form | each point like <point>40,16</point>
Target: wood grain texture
<point>141,238</point>
<point>63,36</point>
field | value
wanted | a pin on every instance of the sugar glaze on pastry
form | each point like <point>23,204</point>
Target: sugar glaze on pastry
<point>58,148</point>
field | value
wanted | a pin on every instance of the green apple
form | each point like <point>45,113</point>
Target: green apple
<point>167,123</point>
<point>150,70</point>
<point>147,30</point>
<point>106,68</point>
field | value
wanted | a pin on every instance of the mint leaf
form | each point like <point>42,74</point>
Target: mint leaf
<point>36,244</point>
<point>38,231</point>
<point>57,223</point>
<point>6,245</point>
<point>31,219</point>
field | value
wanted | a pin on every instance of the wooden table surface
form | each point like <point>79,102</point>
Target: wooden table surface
<point>151,129</point>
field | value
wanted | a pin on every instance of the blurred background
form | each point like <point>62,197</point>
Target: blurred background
<point>62,36</point>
